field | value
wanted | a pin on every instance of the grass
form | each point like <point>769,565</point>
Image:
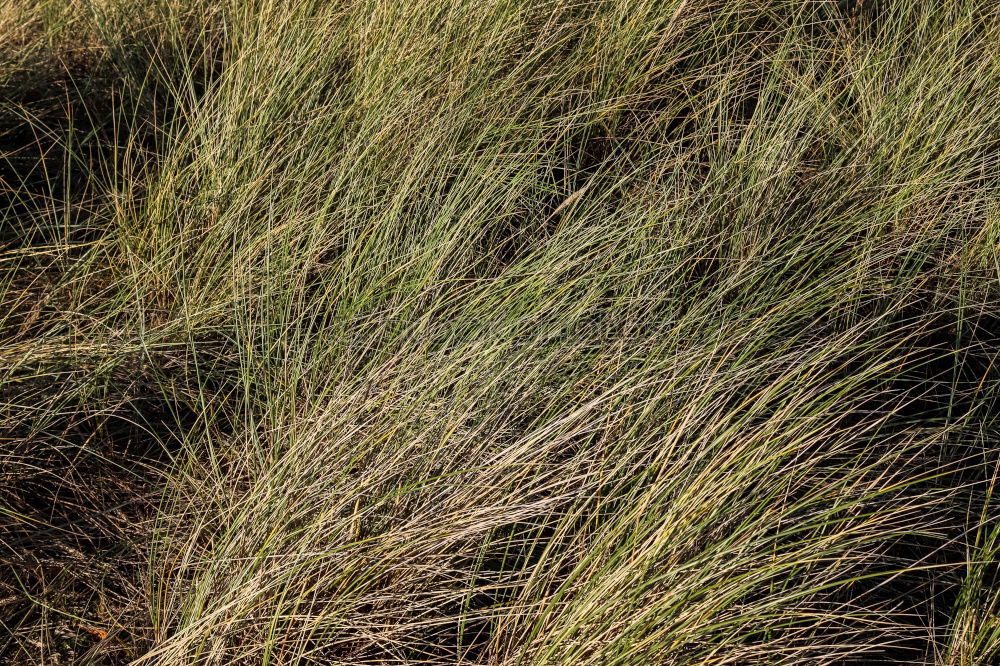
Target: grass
<point>508,332</point>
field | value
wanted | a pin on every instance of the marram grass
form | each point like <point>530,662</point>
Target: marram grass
<point>506,332</point>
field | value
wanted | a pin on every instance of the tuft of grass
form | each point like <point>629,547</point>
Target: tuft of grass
<point>508,332</point>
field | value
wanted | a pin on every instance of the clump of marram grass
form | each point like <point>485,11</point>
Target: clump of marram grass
<point>542,332</point>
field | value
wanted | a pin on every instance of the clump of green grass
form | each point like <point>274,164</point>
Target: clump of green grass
<point>518,332</point>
